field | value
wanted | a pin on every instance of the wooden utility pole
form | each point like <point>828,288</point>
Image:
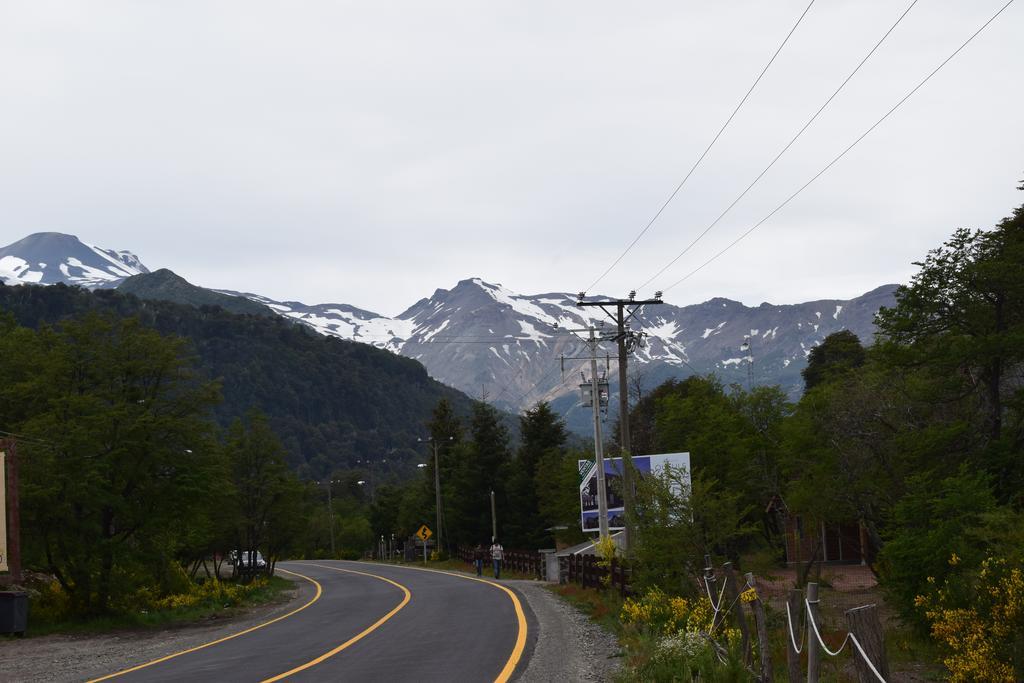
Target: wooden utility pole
<point>494,519</point>
<point>595,398</point>
<point>621,311</point>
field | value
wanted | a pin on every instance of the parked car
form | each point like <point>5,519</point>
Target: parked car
<point>242,562</point>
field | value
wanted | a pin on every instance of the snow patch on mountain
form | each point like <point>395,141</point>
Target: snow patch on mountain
<point>50,257</point>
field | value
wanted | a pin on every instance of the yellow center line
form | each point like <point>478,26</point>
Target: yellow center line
<point>520,646</point>
<point>319,592</point>
<point>359,636</point>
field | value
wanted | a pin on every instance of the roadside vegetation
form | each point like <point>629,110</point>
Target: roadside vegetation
<point>918,439</point>
<point>197,603</point>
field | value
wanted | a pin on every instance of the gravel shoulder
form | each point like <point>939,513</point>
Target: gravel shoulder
<point>57,657</point>
<point>569,646</point>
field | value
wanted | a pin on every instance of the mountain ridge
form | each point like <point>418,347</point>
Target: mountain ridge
<point>490,341</point>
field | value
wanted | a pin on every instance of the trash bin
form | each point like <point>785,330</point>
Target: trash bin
<point>13,612</point>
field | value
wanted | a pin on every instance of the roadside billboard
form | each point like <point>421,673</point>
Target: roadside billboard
<point>642,464</point>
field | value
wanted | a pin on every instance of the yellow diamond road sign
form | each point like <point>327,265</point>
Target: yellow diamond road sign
<point>424,533</point>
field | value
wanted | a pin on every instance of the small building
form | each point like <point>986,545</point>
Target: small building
<point>842,543</point>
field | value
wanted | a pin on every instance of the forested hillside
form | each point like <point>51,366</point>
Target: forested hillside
<point>332,402</point>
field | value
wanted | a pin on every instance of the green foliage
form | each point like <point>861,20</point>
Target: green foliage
<point>118,453</point>
<point>960,323</point>
<point>331,402</point>
<point>557,489</point>
<point>265,499</point>
<point>481,468</point>
<point>681,658</point>
<point>542,435</point>
<point>977,615</point>
<point>678,522</point>
<point>195,602</point>
<point>929,524</point>
<point>838,354</point>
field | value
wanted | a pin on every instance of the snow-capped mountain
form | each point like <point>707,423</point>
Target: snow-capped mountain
<point>515,349</point>
<point>46,258</point>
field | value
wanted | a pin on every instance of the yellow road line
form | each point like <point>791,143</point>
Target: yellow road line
<point>319,592</point>
<point>359,636</point>
<point>520,646</point>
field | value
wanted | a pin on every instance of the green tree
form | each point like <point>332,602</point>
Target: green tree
<point>839,353</point>
<point>265,493</point>
<point>679,521</point>
<point>558,495</point>
<point>121,459</point>
<point>933,522</point>
<point>960,322</point>
<point>482,467</point>
<point>541,432</point>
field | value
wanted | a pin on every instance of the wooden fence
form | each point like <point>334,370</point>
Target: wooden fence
<point>584,570</point>
<point>522,561</point>
<point>587,571</point>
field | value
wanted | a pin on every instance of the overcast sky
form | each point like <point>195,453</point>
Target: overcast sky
<point>371,152</point>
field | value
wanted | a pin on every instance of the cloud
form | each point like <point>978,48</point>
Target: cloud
<point>371,152</point>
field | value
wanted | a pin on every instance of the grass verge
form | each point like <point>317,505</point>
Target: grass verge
<point>210,605</point>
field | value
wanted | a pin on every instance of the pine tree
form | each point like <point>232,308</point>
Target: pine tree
<point>542,432</point>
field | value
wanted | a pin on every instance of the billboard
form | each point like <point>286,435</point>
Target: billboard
<point>642,464</point>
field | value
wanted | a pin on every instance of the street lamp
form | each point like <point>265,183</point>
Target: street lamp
<point>437,481</point>
<point>330,511</point>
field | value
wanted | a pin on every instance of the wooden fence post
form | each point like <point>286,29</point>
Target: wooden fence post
<point>761,622</point>
<point>795,602</point>
<point>732,594</point>
<point>813,649</point>
<point>866,626</point>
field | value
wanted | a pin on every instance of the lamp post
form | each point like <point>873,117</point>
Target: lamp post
<point>330,513</point>
<point>437,482</point>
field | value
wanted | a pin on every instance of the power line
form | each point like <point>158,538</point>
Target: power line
<point>496,340</point>
<point>706,150</point>
<point>845,151</point>
<point>783,150</point>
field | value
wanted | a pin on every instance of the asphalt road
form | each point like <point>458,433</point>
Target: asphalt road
<point>366,622</point>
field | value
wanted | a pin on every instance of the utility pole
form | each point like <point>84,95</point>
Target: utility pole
<point>621,311</point>
<point>437,484</point>
<point>494,519</point>
<point>330,516</point>
<point>592,342</point>
<point>595,398</point>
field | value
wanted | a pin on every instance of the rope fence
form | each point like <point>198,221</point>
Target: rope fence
<point>865,633</point>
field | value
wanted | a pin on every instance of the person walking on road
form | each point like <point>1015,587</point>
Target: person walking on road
<point>478,558</point>
<point>497,556</point>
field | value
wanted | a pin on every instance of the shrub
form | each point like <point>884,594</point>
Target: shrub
<point>978,617</point>
<point>659,613</point>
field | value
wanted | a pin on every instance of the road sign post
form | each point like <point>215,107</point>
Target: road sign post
<point>423,534</point>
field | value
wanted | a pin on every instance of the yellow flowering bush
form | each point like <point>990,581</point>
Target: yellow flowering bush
<point>979,620</point>
<point>212,592</point>
<point>673,640</point>
<point>658,612</point>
